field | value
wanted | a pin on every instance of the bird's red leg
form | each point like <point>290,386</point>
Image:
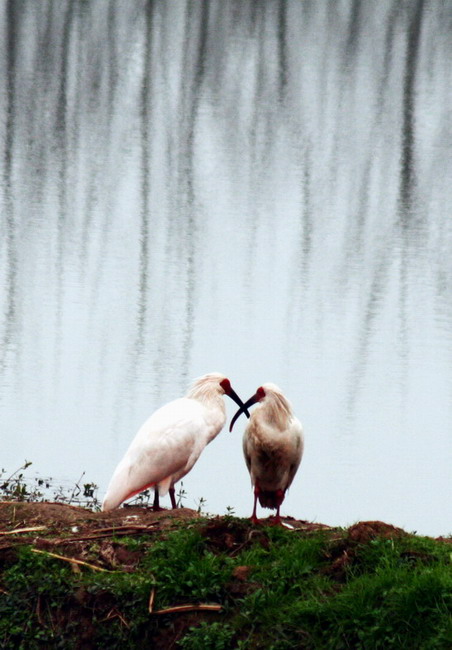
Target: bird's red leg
<point>172,497</point>
<point>280,499</point>
<point>253,517</point>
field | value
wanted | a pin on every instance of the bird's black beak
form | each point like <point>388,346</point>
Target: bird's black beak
<point>244,408</point>
<point>230,392</point>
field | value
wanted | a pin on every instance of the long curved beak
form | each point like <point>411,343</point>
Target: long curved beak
<point>244,409</point>
<point>233,395</point>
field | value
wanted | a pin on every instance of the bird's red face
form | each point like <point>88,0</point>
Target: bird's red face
<point>230,392</point>
<point>259,394</point>
<point>257,397</point>
<point>225,385</point>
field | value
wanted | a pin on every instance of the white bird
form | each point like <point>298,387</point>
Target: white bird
<point>272,445</point>
<point>170,442</point>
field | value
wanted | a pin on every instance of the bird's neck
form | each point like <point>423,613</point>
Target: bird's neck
<point>214,411</point>
<point>275,413</point>
<point>212,401</point>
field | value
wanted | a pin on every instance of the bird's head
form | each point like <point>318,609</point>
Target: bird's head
<point>277,407</point>
<point>214,383</point>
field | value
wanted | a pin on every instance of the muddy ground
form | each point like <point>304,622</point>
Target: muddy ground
<point>53,526</point>
<point>70,530</point>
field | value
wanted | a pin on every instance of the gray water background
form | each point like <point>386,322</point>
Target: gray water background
<point>258,188</point>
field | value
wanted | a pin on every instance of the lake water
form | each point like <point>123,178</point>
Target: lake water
<point>257,188</point>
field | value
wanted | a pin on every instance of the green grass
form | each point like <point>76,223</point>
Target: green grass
<point>296,590</point>
<point>27,584</point>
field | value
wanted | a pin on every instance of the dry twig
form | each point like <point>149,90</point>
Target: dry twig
<point>71,560</point>
<point>137,527</point>
<point>203,607</point>
<point>32,529</point>
<point>151,600</point>
<point>113,613</point>
<point>102,533</point>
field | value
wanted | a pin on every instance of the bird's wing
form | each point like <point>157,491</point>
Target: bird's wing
<point>297,437</point>
<point>168,444</point>
<point>249,451</point>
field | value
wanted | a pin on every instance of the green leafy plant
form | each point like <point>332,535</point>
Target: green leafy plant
<point>185,570</point>
<point>208,636</point>
<point>201,503</point>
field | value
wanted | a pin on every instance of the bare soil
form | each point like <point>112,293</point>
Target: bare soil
<point>57,527</point>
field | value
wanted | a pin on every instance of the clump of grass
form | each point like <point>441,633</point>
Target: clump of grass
<point>185,570</point>
<point>209,636</point>
<point>30,594</point>
<point>401,609</point>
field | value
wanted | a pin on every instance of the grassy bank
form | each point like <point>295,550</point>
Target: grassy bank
<point>243,586</point>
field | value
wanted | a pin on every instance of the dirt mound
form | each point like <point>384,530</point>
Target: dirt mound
<point>62,515</point>
<point>365,531</point>
<point>55,524</point>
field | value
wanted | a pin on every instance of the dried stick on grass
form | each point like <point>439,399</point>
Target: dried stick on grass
<point>203,607</point>
<point>71,560</point>
<point>151,600</point>
<point>114,613</point>
<point>107,532</point>
<point>126,527</point>
<point>32,529</point>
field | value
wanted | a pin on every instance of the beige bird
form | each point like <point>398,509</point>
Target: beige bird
<point>170,442</point>
<point>272,445</point>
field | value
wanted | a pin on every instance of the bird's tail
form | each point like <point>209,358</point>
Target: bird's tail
<point>271,498</point>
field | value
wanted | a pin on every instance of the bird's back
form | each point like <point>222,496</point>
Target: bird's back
<point>166,445</point>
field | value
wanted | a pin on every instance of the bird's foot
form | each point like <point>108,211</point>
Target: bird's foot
<point>275,521</point>
<point>254,519</point>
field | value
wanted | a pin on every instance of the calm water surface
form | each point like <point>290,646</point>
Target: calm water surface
<point>258,188</point>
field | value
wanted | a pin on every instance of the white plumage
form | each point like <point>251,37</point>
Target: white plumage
<point>272,446</point>
<point>170,442</point>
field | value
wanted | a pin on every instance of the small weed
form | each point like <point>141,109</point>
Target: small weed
<point>201,505</point>
<point>16,487</point>
<point>208,636</point>
<point>143,499</point>
<point>181,495</point>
